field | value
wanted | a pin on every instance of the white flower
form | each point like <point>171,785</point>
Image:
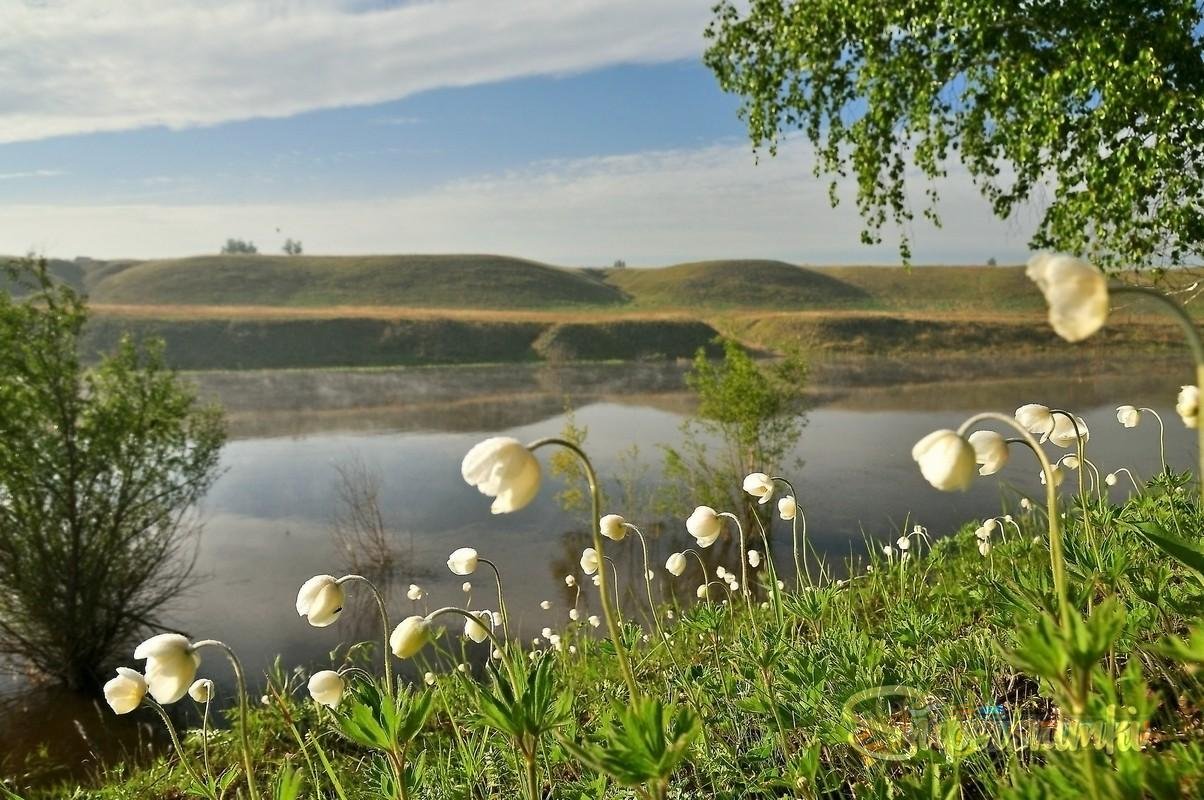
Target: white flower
<point>466,587</point>
<point>463,561</point>
<point>326,688</point>
<point>546,632</point>
<point>501,467</point>
<point>754,558</point>
<point>497,618</point>
<point>734,585</point>
<point>1128,416</point>
<point>594,621</point>
<point>573,649</point>
<point>787,507</point>
<point>982,534</point>
<point>984,546</point>
<point>701,591</point>
<point>320,600</point>
<point>704,525</point>
<point>991,525</point>
<point>990,450</point>
<point>569,580</point>
<point>1025,503</point>
<point>410,635</point>
<point>1077,294</point>
<point>887,550</point>
<point>1110,479</point>
<point>415,592</point>
<point>545,604</point>
<point>574,614</point>
<point>597,580</point>
<point>946,460</point>
<point>171,665</point>
<point>1036,419</point>
<point>1059,475</point>
<point>676,564</point>
<point>1063,433</point>
<point>759,486</point>
<point>462,667</point>
<point>429,679</point>
<point>201,690</point>
<point>589,561</point>
<point>125,692</point>
<point>1070,462</point>
<point>496,655</point>
<point>903,543</point>
<point>475,629</point>
<point>721,572</point>
<point>612,526</point>
<point>1188,405</point>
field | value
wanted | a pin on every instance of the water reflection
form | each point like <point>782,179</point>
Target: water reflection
<point>268,518</point>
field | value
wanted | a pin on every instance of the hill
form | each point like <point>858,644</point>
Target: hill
<point>417,281</point>
<point>736,283</point>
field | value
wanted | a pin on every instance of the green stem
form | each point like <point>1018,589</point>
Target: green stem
<point>648,581</point>
<point>607,609</point>
<point>243,710</point>
<point>501,602</point>
<point>794,521</point>
<point>175,740</point>
<point>383,608</point>
<point>1161,435</point>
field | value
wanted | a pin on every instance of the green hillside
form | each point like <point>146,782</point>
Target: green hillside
<point>435,281</point>
<point>941,288</point>
<point>736,283</point>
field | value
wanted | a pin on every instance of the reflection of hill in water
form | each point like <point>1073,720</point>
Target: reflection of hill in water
<point>494,397</point>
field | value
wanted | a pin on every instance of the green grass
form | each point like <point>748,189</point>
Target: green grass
<point>774,688</point>
<point>737,284</point>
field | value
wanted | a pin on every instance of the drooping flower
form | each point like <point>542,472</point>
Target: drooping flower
<point>171,665</point>
<point>903,543</point>
<point>722,573</point>
<point>1110,479</point>
<point>676,564</point>
<point>463,561</point>
<point>410,636</point>
<point>984,547</point>
<point>570,581</point>
<point>574,614</point>
<point>326,687</point>
<point>1128,416</point>
<point>201,690</point>
<point>990,451</point>
<point>754,558</point>
<point>466,587</point>
<point>503,468</point>
<point>701,591</point>
<point>787,508</point>
<point>946,460</point>
<point>1188,405</point>
<point>415,592</point>
<point>594,620</point>
<point>545,604</point>
<point>704,525</point>
<point>1065,433</point>
<point>1070,462</point>
<point>320,600</point>
<point>614,527</point>
<point>1036,419</point>
<point>546,632</point>
<point>759,486</point>
<point>125,692</point>
<point>1059,475</point>
<point>429,678</point>
<point>982,533</point>
<point>475,629</point>
<point>589,561</point>
<point>887,550</point>
<point>1076,292</point>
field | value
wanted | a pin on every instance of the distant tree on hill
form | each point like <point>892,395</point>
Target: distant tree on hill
<point>991,262</point>
<point>239,247</point>
<point>292,247</point>
<point>619,263</point>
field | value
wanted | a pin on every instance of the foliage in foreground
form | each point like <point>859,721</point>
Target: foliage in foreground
<point>945,674</point>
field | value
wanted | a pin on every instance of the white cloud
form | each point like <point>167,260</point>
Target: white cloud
<point>32,173</point>
<point>649,208</point>
<point>77,66</point>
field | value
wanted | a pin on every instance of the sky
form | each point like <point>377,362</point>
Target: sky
<point>574,132</point>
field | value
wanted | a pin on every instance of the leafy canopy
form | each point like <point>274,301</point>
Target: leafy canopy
<point>1093,109</point>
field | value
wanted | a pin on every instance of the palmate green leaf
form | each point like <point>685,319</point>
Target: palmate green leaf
<point>369,718</point>
<point>288,784</point>
<point>523,699</point>
<point>1188,553</point>
<point>1190,651</point>
<point>645,743</point>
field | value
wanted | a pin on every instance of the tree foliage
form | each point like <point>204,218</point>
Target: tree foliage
<point>241,247</point>
<point>99,467</point>
<point>1095,109</point>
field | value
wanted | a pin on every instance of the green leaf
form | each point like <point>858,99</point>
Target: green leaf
<point>1188,553</point>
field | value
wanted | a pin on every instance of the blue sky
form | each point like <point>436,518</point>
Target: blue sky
<point>573,131</point>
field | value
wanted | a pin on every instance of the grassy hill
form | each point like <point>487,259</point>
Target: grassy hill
<point>430,281</point>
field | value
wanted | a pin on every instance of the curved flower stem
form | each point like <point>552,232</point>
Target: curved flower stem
<point>614,572</point>
<point>243,710</point>
<point>175,740</point>
<point>607,610</point>
<point>501,603</point>
<point>1080,451</point>
<point>647,580</point>
<point>794,533</point>
<point>774,591</point>
<point>1132,480</point>
<point>1197,351</point>
<point>1056,557</point>
<point>743,555</point>
<point>205,740</point>
<point>701,565</point>
<point>1161,435</point>
<point>493,639</point>
<point>383,608</point>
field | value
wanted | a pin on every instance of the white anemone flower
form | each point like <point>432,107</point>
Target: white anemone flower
<point>982,534</point>
<point>1076,292</point>
<point>787,508</point>
<point>1036,419</point>
<point>410,636</point>
<point>1059,475</point>
<point>589,561</point>
<point>887,550</point>
<point>704,525</point>
<point>171,665</point>
<point>570,581</point>
<point>475,629</point>
<point>466,587</point>
<point>1110,479</point>
<point>722,573</point>
<point>594,620</point>
<point>545,604</point>
<point>503,468</point>
<point>463,561</point>
<point>415,592</point>
<point>759,486</point>
<point>754,558</point>
<point>320,600</point>
<point>597,580</point>
<point>613,527</point>
<point>1188,405</point>
<point>984,547</point>
<point>429,679</point>
<point>1128,416</point>
<point>903,543</point>
<point>201,690</point>
<point>991,524</point>
<point>574,614</point>
<point>1070,462</point>
<point>946,460</point>
<point>701,591</point>
<point>326,687</point>
<point>676,564</point>
<point>1064,431</point>
<point>125,692</point>
<point>990,451</point>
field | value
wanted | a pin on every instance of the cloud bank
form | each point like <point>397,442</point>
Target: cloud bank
<point>80,66</point>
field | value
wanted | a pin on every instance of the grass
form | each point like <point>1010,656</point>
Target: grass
<point>985,709</point>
